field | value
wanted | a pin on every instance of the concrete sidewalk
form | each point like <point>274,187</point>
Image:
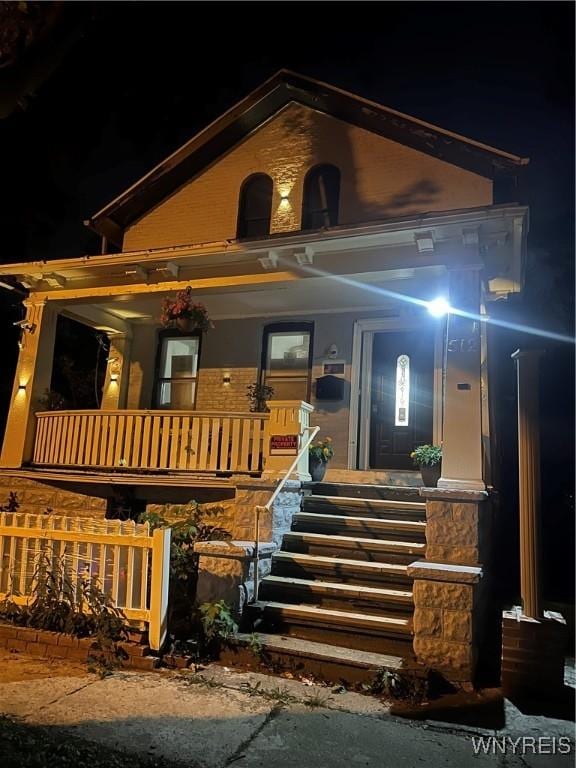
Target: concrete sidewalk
<point>219,717</point>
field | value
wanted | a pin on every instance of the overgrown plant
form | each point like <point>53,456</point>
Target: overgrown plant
<point>57,604</point>
<point>12,503</point>
<point>218,625</point>
<point>400,685</point>
<point>190,523</point>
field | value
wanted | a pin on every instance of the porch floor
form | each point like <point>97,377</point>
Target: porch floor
<point>177,479</point>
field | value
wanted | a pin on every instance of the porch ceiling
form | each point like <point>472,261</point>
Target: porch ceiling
<point>356,292</point>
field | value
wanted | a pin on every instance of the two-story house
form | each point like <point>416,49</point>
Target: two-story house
<point>347,254</point>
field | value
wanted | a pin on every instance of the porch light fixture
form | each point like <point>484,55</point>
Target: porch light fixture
<point>114,377</point>
<point>22,388</point>
<point>226,379</point>
<point>438,307</point>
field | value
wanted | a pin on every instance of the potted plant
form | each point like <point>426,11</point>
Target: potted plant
<point>429,459</point>
<point>319,454</point>
<point>185,314</point>
<point>259,394</point>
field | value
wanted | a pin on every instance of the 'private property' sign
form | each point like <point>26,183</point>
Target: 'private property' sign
<point>283,445</point>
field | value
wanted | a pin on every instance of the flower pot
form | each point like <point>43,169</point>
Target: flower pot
<point>317,469</point>
<point>185,324</point>
<point>430,475</point>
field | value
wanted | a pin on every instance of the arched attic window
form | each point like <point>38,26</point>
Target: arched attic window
<point>255,208</point>
<point>321,197</point>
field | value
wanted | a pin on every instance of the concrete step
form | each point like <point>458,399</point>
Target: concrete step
<point>333,569</point>
<point>351,506</point>
<point>313,616</point>
<point>345,597</point>
<point>324,661</point>
<point>364,491</point>
<point>405,478</point>
<point>368,527</point>
<point>353,547</point>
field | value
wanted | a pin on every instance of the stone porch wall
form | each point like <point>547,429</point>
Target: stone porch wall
<point>39,498</point>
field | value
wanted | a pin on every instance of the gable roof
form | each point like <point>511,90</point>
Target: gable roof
<point>260,105</point>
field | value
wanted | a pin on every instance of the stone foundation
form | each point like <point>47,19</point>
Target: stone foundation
<point>450,585</point>
<point>39,498</point>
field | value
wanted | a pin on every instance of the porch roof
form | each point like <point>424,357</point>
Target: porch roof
<point>385,247</point>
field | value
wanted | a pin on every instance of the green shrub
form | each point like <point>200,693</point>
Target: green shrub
<point>427,455</point>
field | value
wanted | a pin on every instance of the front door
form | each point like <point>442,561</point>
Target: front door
<point>401,397</point>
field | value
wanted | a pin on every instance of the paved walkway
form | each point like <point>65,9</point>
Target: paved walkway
<point>218,718</point>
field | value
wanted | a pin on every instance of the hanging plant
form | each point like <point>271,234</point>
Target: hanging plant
<point>185,314</point>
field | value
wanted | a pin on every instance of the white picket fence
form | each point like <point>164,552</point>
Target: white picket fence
<point>123,559</point>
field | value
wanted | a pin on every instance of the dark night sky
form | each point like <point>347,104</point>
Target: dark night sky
<point>144,77</point>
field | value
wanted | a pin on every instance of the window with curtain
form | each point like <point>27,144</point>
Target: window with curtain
<point>255,207</point>
<point>321,197</point>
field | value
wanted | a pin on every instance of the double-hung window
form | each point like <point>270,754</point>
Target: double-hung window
<point>287,360</point>
<point>177,370</point>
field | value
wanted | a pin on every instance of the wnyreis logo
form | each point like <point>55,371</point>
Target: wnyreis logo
<point>522,745</point>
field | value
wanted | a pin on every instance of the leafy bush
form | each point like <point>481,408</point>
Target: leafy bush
<point>427,455</point>
<point>258,395</point>
<point>218,624</point>
<point>57,605</point>
<point>189,523</point>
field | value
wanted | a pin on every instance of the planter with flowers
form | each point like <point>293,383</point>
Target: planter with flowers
<point>429,460</point>
<point>185,314</point>
<point>319,454</point>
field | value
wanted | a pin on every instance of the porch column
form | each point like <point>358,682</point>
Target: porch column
<point>33,377</point>
<point>115,389</point>
<point>527,363</point>
<point>462,434</point>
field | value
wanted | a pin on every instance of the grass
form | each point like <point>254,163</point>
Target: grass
<point>33,746</point>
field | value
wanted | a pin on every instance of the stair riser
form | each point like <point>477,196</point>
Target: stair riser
<point>352,638</point>
<point>350,528</point>
<point>351,553</point>
<point>296,595</point>
<point>366,492</point>
<point>340,575</point>
<point>313,507</point>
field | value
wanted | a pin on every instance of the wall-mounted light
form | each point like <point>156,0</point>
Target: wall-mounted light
<point>22,388</point>
<point>114,377</point>
<point>226,379</point>
<point>438,307</point>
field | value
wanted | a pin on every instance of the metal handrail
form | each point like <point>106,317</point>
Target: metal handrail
<point>259,508</point>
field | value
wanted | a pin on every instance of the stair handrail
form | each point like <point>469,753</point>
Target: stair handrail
<point>312,432</point>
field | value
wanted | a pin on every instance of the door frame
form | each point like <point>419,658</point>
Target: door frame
<point>360,384</point>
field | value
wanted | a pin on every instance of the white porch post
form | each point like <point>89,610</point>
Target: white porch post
<point>527,372</point>
<point>462,434</point>
<point>33,377</point>
<point>115,389</point>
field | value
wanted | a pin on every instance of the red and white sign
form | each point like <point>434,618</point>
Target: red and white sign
<point>283,445</point>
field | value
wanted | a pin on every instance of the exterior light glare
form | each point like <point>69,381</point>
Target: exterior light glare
<point>438,307</point>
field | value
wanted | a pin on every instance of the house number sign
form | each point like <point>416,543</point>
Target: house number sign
<point>283,445</point>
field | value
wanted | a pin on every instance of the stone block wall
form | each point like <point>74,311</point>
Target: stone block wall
<point>451,587</point>
<point>36,497</point>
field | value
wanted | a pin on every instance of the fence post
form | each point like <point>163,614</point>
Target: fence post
<point>159,585</point>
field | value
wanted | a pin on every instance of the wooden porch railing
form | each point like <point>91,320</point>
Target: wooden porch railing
<point>178,440</point>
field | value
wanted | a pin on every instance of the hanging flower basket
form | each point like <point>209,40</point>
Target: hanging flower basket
<point>185,314</point>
